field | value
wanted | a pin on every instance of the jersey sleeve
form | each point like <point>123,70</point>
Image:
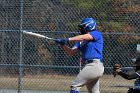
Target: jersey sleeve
<point>95,34</point>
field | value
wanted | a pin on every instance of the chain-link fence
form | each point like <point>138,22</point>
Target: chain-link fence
<point>33,65</point>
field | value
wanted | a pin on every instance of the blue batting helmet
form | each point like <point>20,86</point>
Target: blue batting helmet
<point>88,24</point>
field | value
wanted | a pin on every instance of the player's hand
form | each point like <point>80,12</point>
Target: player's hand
<point>62,41</point>
<point>116,69</point>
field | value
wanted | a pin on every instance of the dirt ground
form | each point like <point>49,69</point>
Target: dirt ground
<point>108,84</point>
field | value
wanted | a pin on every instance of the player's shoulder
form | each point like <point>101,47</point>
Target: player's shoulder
<point>96,32</point>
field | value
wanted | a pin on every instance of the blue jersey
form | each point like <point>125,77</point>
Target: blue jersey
<point>92,49</point>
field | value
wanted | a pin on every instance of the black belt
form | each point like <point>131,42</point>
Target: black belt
<point>91,61</point>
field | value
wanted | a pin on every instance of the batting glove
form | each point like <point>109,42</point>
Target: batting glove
<point>62,41</point>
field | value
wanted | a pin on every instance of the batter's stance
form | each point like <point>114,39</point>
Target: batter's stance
<point>90,43</point>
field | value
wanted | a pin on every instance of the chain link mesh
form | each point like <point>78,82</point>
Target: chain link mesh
<point>34,65</point>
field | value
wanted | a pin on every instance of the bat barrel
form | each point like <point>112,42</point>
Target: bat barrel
<point>38,35</point>
<point>34,34</point>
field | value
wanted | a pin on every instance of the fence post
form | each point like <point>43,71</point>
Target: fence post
<point>138,48</point>
<point>21,49</point>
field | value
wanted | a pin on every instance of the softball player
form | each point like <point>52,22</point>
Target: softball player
<point>90,43</point>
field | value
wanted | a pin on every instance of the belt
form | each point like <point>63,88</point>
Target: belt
<point>91,61</point>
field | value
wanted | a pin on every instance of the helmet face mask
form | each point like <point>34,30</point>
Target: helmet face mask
<point>87,25</point>
<point>81,29</point>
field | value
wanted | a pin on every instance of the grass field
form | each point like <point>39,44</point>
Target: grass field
<point>108,84</point>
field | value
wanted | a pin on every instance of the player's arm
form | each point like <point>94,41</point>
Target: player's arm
<point>84,37</point>
<point>117,70</point>
<point>70,51</point>
<point>128,76</point>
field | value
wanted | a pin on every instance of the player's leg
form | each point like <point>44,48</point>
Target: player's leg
<point>93,86</point>
<point>89,72</point>
<point>77,84</point>
<point>83,78</point>
<point>96,71</point>
<point>79,81</point>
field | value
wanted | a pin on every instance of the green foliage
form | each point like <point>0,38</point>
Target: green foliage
<point>86,4</point>
<point>116,24</point>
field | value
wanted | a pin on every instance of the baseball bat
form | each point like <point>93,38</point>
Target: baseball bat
<point>38,35</point>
